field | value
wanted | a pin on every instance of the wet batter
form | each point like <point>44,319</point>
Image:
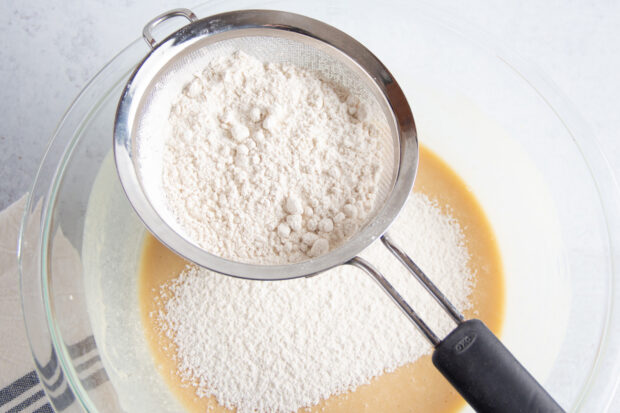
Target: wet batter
<point>414,387</point>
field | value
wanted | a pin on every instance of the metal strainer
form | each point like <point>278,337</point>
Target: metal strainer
<point>471,357</point>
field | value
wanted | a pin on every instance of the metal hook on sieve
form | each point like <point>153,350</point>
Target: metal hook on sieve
<point>147,32</point>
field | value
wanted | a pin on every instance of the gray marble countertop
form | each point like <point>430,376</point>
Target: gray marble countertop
<point>50,49</point>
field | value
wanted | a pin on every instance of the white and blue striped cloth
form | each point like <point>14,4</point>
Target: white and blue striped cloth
<point>21,390</point>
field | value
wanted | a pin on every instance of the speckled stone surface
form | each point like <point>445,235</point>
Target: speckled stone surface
<point>49,52</point>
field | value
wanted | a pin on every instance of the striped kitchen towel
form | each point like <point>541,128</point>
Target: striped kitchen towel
<point>21,388</point>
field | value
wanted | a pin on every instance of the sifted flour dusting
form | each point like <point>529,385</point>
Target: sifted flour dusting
<point>279,346</point>
<point>268,163</point>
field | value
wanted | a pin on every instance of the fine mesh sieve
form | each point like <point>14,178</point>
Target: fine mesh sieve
<point>470,357</point>
<point>270,36</point>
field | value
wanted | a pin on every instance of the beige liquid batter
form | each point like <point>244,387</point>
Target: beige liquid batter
<point>416,387</point>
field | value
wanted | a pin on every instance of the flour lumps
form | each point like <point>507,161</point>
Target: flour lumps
<point>266,347</point>
<point>270,164</point>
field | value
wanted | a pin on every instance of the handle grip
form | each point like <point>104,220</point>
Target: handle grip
<point>487,375</point>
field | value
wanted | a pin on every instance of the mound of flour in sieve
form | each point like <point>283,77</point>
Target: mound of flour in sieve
<point>280,346</point>
<point>270,164</point>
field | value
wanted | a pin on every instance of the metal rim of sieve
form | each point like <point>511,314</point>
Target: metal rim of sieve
<point>289,26</point>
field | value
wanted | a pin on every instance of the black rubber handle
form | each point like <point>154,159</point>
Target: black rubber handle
<point>487,375</point>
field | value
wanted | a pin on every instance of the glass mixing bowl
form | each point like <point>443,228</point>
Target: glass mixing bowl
<point>523,150</point>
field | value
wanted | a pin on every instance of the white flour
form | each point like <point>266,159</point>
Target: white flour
<point>278,346</point>
<point>269,164</point>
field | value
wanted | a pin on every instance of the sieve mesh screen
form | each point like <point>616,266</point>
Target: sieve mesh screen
<point>152,127</point>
